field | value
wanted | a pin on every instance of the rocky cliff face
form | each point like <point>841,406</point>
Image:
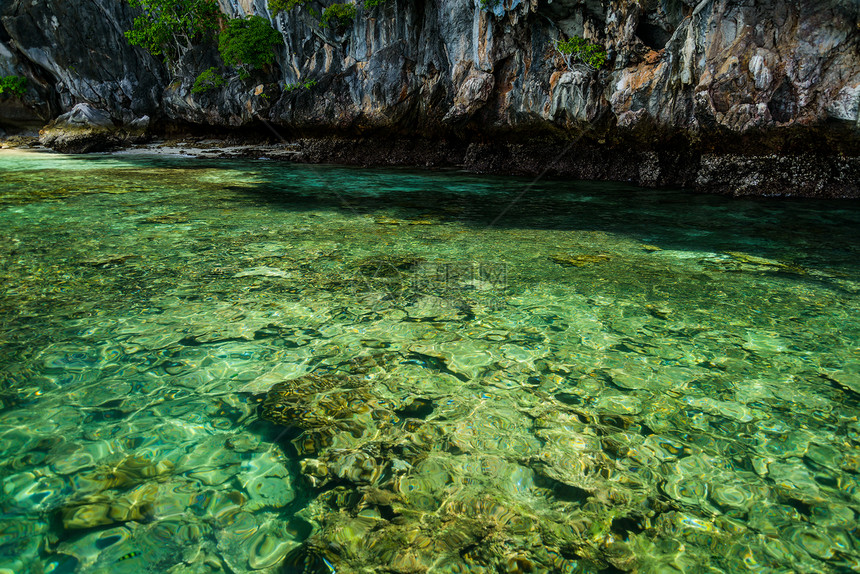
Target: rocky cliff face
<point>684,79</point>
<point>75,52</point>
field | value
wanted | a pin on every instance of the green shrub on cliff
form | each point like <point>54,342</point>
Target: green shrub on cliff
<point>306,85</point>
<point>248,44</point>
<point>209,79</point>
<point>285,5</point>
<point>170,27</point>
<point>15,85</point>
<point>577,49</point>
<point>338,15</point>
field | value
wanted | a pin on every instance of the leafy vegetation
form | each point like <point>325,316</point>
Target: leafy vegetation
<point>15,85</point>
<point>169,27</point>
<point>300,85</point>
<point>338,15</point>
<point>578,49</point>
<point>285,5</point>
<point>208,80</point>
<point>247,44</point>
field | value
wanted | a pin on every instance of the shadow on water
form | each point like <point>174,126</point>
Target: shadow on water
<point>678,219</point>
<point>791,229</point>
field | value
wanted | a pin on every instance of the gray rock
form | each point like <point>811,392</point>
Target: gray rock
<point>472,94</point>
<point>80,52</point>
<point>37,106</point>
<point>87,129</point>
<point>693,67</point>
<point>84,116</point>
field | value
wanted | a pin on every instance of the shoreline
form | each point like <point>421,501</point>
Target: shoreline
<point>810,175</point>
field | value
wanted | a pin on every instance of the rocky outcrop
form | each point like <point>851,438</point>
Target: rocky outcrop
<point>87,129</point>
<point>713,69</point>
<point>79,49</point>
<point>684,80</point>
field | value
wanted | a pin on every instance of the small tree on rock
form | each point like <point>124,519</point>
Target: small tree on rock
<point>577,51</point>
<point>248,44</point>
<point>169,28</point>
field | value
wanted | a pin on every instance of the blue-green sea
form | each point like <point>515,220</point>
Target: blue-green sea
<point>230,366</point>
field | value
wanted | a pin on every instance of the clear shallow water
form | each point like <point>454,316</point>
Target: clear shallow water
<point>254,366</point>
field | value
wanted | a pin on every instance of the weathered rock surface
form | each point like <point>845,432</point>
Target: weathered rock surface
<point>79,49</point>
<point>38,105</point>
<point>757,79</point>
<point>86,129</point>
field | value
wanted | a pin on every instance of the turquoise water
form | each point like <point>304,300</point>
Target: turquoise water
<point>250,366</point>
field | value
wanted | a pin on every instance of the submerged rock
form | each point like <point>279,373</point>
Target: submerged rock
<point>579,260</point>
<point>287,403</point>
<point>418,483</point>
<point>264,272</point>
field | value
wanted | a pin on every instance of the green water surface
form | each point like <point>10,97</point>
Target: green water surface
<point>252,366</point>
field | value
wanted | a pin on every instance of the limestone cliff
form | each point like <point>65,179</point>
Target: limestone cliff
<point>685,79</point>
